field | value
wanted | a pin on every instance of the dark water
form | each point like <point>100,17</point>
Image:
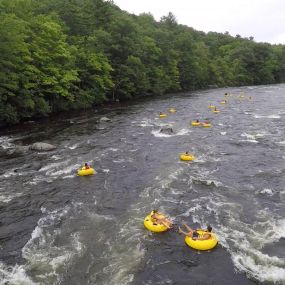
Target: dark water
<point>57,228</point>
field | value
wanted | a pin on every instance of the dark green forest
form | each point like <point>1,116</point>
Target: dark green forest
<point>58,55</point>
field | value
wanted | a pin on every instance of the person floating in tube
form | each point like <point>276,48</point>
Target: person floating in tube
<point>194,234</point>
<point>159,218</point>
<point>87,166</point>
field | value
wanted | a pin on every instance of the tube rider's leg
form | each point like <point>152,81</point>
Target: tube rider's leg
<point>188,228</point>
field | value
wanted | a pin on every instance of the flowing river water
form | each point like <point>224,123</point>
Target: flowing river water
<point>58,228</point>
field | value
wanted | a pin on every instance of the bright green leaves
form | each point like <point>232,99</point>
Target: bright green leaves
<point>66,54</point>
<point>95,79</point>
<point>14,56</point>
<point>52,58</point>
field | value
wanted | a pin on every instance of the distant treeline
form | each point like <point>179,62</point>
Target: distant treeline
<point>71,54</point>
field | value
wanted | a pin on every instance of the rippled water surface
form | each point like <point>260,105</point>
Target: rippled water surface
<point>58,228</point>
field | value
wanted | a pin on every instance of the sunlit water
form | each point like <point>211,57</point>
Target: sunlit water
<point>58,228</point>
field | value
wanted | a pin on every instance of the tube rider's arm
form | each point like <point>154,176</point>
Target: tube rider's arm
<point>185,233</point>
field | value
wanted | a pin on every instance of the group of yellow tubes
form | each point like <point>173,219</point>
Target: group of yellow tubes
<point>152,226</point>
<point>186,156</point>
<point>157,228</point>
<point>206,244</point>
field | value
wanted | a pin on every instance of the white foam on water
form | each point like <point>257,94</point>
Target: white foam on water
<point>242,240</point>
<point>121,253</point>
<point>123,261</point>
<point>113,149</point>
<point>57,169</point>
<point>53,165</point>
<point>159,123</point>
<point>204,177</point>
<point>164,182</point>
<point>121,160</point>
<point>106,170</point>
<point>260,135</point>
<point>223,133</point>
<point>43,257</point>
<point>40,178</point>
<point>282,143</point>
<point>250,141</point>
<point>260,266</point>
<point>5,142</point>
<point>273,116</point>
<point>126,250</point>
<point>42,253</point>
<point>266,191</point>
<point>56,157</point>
<point>119,271</point>
<point>158,134</point>
<point>69,176</point>
<point>200,159</point>
<point>245,241</point>
<point>253,137</point>
<point>7,197</point>
<point>100,218</point>
<point>183,132</point>
<point>9,173</point>
<point>65,170</point>
<point>191,210</point>
<point>14,275</point>
<point>146,123</point>
<point>279,230</point>
<point>214,182</point>
<point>74,146</point>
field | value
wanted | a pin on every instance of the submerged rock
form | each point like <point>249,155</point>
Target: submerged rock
<point>14,151</point>
<point>42,146</point>
<point>19,149</point>
<point>105,119</point>
<point>3,151</point>
<point>167,130</point>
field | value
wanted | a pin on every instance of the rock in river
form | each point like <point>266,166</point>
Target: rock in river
<point>42,146</point>
<point>166,130</point>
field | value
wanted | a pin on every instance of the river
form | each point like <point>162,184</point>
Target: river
<point>58,228</point>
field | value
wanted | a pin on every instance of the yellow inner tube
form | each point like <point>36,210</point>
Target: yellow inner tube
<point>223,102</point>
<point>187,157</point>
<point>195,124</point>
<point>172,110</point>
<point>211,107</point>
<point>162,116</point>
<point>202,244</point>
<point>84,172</point>
<point>216,111</point>
<point>206,125</point>
<point>152,226</point>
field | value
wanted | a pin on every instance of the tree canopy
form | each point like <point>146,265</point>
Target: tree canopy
<point>69,54</point>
